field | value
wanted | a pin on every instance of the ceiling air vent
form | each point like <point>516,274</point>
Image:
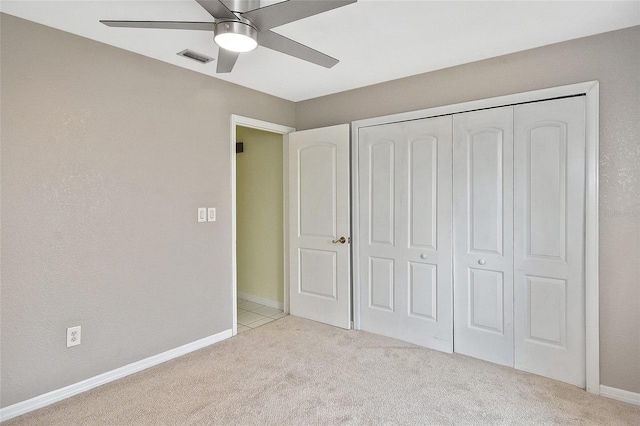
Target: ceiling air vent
<point>203,59</point>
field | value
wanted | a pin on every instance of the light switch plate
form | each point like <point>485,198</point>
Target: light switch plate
<point>211,216</point>
<point>202,214</point>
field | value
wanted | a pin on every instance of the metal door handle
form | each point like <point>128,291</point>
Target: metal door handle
<point>340,240</point>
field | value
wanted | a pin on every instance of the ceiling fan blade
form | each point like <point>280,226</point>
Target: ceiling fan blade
<point>226,60</point>
<point>282,13</point>
<point>285,45</point>
<point>217,9</point>
<point>167,25</point>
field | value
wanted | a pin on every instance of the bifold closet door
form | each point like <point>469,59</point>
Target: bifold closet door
<point>549,239</point>
<point>483,234</point>
<point>496,196</point>
<point>404,184</point>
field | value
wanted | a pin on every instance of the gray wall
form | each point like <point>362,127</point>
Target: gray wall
<point>613,59</point>
<point>106,156</point>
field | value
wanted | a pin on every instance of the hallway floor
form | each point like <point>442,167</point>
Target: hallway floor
<point>252,315</point>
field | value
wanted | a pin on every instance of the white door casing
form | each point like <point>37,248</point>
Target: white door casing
<point>405,231</point>
<point>549,156</point>
<point>483,234</point>
<point>318,219</point>
<point>237,120</point>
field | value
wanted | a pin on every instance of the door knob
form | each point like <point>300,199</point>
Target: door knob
<point>423,256</point>
<point>481,262</point>
<point>340,240</point>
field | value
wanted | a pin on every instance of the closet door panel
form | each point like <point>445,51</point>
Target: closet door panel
<point>423,290</point>
<point>377,233</point>
<point>486,296</point>
<point>483,240</point>
<point>425,219</point>
<point>381,283</point>
<point>405,227</point>
<point>547,313</point>
<point>549,239</point>
<point>546,161</point>
<point>484,173</point>
<point>381,192</point>
<point>423,192</point>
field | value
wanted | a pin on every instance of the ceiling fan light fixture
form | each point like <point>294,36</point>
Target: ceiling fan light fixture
<point>235,36</point>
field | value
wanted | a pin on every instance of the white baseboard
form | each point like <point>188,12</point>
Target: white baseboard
<point>255,299</point>
<point>620,395</point>
<point>49,398</point>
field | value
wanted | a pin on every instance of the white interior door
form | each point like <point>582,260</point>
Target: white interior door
<point>319,225</point>
<point>404,178</point>
<point>483,240</point>
<point>549,239</point>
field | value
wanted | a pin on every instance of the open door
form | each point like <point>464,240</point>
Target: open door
<point>319,226</point>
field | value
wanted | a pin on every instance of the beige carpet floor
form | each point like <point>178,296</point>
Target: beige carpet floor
<point>298,372</point>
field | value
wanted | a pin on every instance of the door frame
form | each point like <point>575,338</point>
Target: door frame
<point>591,90</point>
<point>238,120</point>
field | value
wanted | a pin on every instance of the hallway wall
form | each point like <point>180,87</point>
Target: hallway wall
<point>259,207</point>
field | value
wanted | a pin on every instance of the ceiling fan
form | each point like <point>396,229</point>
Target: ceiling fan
<point>242,25</point>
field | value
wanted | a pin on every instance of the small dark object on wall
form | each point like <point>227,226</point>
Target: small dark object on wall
<point>239,147</point>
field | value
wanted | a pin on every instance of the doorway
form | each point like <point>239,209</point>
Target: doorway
<point>259,234</point>
<point>259,225</point>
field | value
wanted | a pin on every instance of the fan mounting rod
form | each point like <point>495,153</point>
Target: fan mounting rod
<point>241,6</point>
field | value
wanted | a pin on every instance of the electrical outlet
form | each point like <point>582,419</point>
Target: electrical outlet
<point>73,336</point>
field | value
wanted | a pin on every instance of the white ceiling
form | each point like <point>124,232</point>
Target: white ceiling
<point>375,40</point>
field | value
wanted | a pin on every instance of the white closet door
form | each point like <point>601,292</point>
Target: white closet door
<point>483,240</point>
<point>405,231</point>
<point>549,239</point>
